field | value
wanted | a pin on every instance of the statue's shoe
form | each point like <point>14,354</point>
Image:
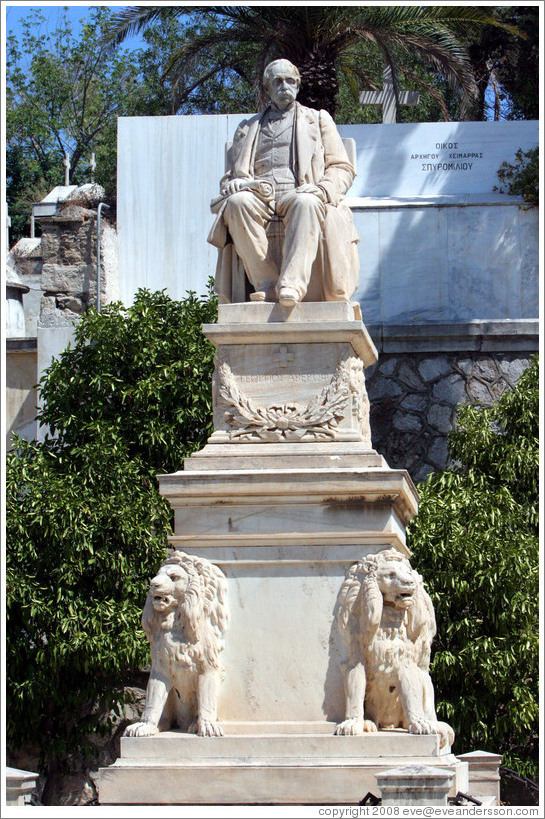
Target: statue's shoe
<point>267,292</point>
<point>288,297</point>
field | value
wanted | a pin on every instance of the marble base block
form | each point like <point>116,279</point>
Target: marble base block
<point>484,775</point>
<point>284,538</point>
<point>416,784</point>
<point>19,786</point>
<point>260,768</point>
<point>290,375</point>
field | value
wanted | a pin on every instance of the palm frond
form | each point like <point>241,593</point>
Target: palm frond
<point>134,19</point>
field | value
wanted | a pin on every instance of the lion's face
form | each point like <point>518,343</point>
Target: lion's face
<point>168,587</point>
<point>397,583</point>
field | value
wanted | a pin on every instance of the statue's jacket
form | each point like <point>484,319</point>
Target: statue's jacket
<point>320,159</point>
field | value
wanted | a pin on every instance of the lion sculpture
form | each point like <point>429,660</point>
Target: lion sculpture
<point>185,619</point>
<point>387,619</point>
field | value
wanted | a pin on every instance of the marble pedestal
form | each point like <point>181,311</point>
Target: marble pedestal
<point>286,495</point>
<point>284,499</point>
<point>265,768</point>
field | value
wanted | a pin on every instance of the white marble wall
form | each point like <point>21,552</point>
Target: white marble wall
<point>447,262</point>
<point>168,171</point>
<point>436,245</point>
<point>435,158</point>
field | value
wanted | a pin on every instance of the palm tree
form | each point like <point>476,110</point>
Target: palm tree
<point>322,41</point>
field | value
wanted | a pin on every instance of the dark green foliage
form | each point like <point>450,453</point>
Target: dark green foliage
<point>521,178</point>
<point>143,375</point>
<point>517,63</point>
<point>508,63</point>
<point>86,526</point>
<point>475,541</point>
<point>85,531</point>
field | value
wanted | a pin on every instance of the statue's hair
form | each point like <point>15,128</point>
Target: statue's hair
<point>357,605</point>
<point>203,610</point>
<point>269,69</point>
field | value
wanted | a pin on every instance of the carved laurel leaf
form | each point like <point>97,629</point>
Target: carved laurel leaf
<point>318,418</point>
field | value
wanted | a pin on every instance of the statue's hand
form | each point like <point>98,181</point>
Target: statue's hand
<point>317,191</point>
<point>232,187</point>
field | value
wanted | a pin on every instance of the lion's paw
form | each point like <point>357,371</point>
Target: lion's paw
<point>350,727</point>
<point>445,733</point>
<point>354,727</point>
<point>141,729</point>
<point>209,729</point>
<point>421,726</point>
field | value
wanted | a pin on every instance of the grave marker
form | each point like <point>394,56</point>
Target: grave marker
<point>387,98</point>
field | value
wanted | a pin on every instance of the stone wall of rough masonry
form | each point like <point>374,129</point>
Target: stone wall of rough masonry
<point>414,397</point>
<point>69,265</point>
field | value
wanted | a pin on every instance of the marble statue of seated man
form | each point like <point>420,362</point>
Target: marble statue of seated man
<point>288,162</point>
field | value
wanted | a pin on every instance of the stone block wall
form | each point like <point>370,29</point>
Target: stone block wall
<point>69,254</point>
<point>414,395</point>
<point>59,273</point>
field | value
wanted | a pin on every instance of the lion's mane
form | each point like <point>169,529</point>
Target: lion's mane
<point>193,636</point>
<point>359,610</point>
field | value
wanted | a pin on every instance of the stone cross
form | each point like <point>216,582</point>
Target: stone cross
<point>387,97</point>
<point>92,167</point>
<point>66,163</point>
<point>283,357</point>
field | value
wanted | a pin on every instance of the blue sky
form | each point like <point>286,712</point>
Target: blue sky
<point>17,12</point>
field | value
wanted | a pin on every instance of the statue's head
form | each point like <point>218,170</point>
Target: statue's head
<point>282,81</point>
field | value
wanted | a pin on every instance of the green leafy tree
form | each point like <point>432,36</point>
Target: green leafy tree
<point>475,540</point>
<point>86,526</point>
<point>203,86</point>
<point>521,177</point>
<point>323,41</point>
<point>143,373</point>
<point>63,96</point>
<point>65,91</point>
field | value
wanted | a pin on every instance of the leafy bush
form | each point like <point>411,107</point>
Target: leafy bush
<point>144,374</point>
<point>475,540</point>
<point>86,526</point>
<point>522,177</point>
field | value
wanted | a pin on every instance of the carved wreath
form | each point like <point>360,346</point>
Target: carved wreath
<point>316,420</point>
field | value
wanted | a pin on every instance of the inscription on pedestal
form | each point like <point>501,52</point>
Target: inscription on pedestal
<point>338,397</point>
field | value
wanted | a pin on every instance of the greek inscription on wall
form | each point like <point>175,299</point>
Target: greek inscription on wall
<point>447,156</point>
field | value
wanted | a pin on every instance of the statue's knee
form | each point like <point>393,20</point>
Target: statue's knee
<point>239,201</point>
<point>307,200</point>
<point>309,204</point>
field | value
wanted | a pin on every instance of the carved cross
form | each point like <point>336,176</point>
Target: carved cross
<point>66,163</point>
<point>283,357</point>
<point>387,97</point>
<point>92,167</point>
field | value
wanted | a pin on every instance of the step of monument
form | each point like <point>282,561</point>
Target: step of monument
<point>226,457</point>
<point>281,746</point>
<point>257,780</point>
